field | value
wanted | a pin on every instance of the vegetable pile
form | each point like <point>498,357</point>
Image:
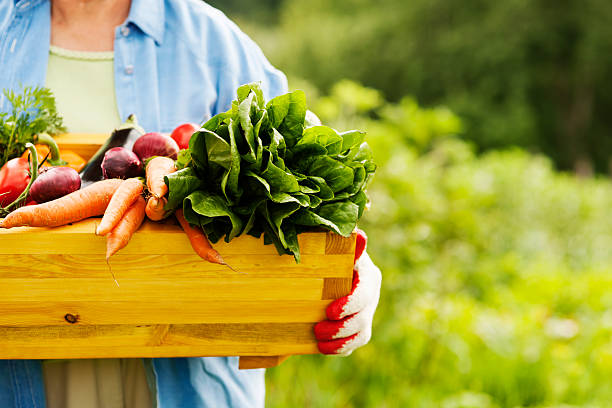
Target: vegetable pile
<point>32,116</point>
<point>256,169</point>
<point>261,169</point>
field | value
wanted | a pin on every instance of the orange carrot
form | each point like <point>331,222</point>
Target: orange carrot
<point>157,168</point>
<point>120,235</point>
<point>155,208</point>
<point>198,240</point>
<point>78,205</point>
<point>124,197</point>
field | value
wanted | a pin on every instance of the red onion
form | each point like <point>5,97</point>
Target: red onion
<point>122,163</point>
<point>155,144</point>
<point>53,183</point>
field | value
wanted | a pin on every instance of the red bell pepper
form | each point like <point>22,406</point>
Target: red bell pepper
<point>14,178</point>
<point>15,174</point>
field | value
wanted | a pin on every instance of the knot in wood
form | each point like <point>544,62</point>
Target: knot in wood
<point>70,318</point>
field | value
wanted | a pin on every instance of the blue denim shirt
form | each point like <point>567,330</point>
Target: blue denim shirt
<point>176,61</point>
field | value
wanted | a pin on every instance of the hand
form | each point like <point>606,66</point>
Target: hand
<point>349,324</point>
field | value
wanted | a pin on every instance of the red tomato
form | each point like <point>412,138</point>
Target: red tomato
<point>182,134</point>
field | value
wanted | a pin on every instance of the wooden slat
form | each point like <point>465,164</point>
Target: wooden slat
<point>35,313</point>
<point>247,363</point>
<point>337,244</point>
<point>85,145</point>
<point>157,335</point>
<point>133,266</point>
<point>145,341</point>
<point>61,352</point>
<point>140,290</point>
<point>334,288</point>
<point>151,238</point>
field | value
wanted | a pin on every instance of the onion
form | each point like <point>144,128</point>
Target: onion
<point>53,183</point>
<point>120,162</point>
<point>155,144</point>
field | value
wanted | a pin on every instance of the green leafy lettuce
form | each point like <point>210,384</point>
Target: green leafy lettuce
<point>260,169</point>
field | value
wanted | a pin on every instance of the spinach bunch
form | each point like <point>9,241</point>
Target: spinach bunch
<point>261,169</point>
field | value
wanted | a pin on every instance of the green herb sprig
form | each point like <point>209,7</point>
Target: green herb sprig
<point>31,112</point>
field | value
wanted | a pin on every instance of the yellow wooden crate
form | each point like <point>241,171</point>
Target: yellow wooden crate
<point>58,299</point>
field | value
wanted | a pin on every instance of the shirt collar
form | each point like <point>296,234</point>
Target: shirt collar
<point>148,16</point>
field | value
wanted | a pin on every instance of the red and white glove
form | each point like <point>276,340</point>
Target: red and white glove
<point>349,324</point>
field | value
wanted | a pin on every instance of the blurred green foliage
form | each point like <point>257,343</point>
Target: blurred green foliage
<point>496,284</point>
<point>536,74</point>
<point>497,289</point>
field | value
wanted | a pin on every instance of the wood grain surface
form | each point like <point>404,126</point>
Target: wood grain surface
<point>58,299</point>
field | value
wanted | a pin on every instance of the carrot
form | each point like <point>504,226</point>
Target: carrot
<point>155,208</point>
<point>157,168</point>
<point>198,240</point>
<point>124,197</point>
<point>120,235</point>
<point>78,205</point>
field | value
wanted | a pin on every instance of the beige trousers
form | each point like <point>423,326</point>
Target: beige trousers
<point>101,383</point>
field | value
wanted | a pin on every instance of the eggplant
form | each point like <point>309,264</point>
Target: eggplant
<point>124,136</point>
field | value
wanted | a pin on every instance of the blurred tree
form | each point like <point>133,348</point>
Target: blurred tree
<point>534,73</point>
<point>261,11</point>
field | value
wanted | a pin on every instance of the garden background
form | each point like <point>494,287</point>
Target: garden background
<point>490,217</point>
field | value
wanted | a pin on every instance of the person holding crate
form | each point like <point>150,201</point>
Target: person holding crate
<point>169,62</point>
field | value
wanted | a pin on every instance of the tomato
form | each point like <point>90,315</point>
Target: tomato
<point>182,134</point>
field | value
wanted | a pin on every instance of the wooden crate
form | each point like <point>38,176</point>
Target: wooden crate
<point>58,299</point>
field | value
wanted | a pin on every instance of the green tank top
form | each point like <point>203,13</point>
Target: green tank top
<point>84,87</point>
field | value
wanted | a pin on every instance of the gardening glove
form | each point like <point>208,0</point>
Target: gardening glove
<point>349,324</point>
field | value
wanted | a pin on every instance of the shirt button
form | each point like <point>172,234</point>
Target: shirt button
<point>125,31</point>
<point>129,69</point>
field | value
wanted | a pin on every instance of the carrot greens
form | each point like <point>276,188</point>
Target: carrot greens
<point>30,113</point>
